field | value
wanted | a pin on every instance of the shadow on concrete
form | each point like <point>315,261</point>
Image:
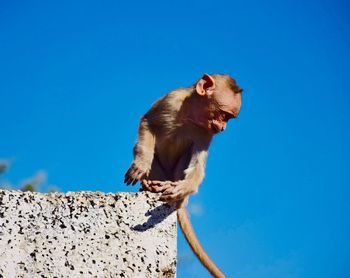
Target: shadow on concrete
<point>157,215</point>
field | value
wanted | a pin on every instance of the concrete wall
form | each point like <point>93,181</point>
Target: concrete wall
<point>86,234</point>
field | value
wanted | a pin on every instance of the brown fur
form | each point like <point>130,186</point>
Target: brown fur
<point>172,147</point>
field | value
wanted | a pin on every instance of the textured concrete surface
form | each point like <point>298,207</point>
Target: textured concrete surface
<point>86,234</point>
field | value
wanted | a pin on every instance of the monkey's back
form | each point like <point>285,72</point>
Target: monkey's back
<point>172,136</point>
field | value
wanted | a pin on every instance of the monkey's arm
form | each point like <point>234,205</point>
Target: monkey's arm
<point>194,174</point>
<point>143,154</point>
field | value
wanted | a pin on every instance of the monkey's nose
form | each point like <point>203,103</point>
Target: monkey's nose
<point>218,126</point>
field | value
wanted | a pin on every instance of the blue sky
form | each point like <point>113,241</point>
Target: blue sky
<point>76,77</point>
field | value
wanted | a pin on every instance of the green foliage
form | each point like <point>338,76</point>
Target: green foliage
<point>29,187</point>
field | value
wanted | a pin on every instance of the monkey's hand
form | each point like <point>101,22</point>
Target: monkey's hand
<point>156,186</point>
<point>178,191</point>
<point>136,172</point>
<point>173,191</point>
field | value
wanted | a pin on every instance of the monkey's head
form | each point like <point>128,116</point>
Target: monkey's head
<point>219,100</point>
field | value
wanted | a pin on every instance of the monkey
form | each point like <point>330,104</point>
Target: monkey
<point>172,146</point>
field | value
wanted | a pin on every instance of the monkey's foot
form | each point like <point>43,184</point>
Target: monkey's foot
<point>177,191</point>
<point>156,186</point>
<point>173,191</point>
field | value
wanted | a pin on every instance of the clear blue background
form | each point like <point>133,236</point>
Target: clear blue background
<point>75,77</point>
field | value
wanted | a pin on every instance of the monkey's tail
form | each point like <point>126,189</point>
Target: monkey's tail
<point>196,247</point>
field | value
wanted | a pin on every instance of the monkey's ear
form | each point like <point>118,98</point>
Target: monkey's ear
<point>205,85</point>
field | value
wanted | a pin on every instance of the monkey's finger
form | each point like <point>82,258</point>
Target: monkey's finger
<point>156,182</point>
<point>166,186</point>
<point>169,191</point>
<point>146,184</point>
<point>132,181</point>
<point>144,181</point>
<point>136,176</point>
<point>129,175</point>
<point>140,175</point>
<point>126,177</point>
<point>163,184</point>
<point>130,170</point>
<point>170,198</point>
<point>151,189</point>
<point>127,180</point>
<point>130,178</point>
<point>175,195</point>
<point>135,180</point>
<point>160,188</point>
<point>146,187</point>
<point>134,172</point>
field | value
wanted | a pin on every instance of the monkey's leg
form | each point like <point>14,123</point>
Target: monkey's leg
<point>182,165</point>
<point>157,179</point>
<point>180,189</point>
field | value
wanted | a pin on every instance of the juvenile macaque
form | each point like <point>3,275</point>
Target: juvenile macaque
<point>173,140</point>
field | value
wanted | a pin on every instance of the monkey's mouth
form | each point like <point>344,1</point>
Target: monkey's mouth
<point>215,127</point>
